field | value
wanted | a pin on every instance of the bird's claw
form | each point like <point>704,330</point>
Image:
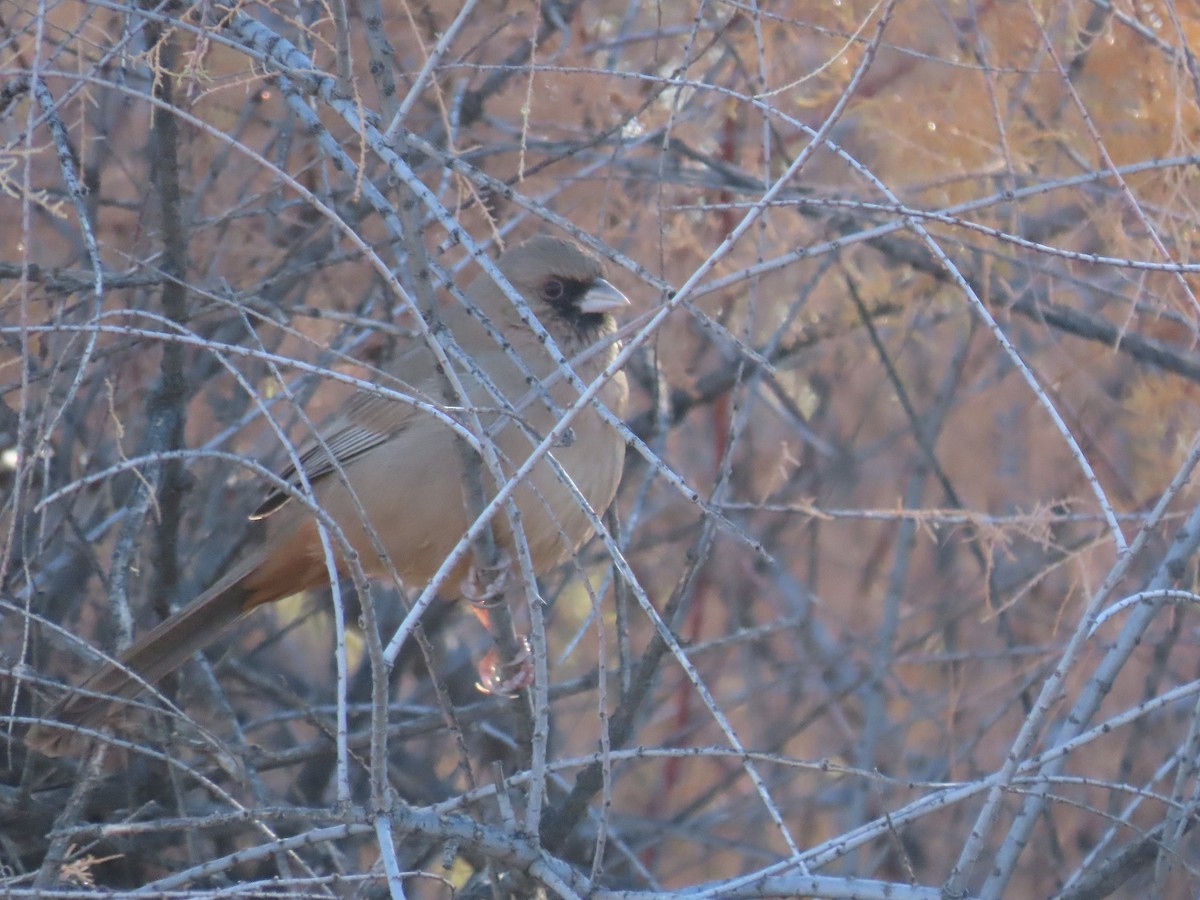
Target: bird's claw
<point>506,679</point>
<point>483,586</point>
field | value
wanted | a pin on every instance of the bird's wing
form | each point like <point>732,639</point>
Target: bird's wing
<point>366,421</point>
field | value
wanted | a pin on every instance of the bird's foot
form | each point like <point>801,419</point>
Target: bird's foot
<point>506,679</point>
<point>483,587</point>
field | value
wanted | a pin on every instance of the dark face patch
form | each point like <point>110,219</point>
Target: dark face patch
<point>564,296</point>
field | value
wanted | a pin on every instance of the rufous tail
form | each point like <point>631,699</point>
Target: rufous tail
<point>160,651</point>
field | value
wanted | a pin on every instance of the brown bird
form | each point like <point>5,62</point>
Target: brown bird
<point>406,470</point>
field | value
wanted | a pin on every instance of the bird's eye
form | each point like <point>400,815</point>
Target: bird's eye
<point>553,289</point>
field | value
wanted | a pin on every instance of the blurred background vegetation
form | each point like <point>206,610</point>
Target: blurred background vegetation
<point>915,317</point>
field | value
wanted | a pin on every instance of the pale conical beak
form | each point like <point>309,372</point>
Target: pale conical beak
<point>602,297</point>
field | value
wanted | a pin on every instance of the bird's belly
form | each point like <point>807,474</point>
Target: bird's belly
<point>420,530</point>
<point>555,524</point>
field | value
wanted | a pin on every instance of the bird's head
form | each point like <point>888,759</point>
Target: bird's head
<point>564,286</point>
